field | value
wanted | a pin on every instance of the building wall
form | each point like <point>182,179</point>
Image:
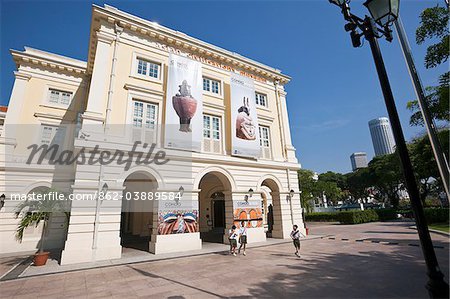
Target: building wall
<point>93,231</point>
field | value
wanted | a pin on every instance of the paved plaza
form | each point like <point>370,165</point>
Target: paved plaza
<point>374,260</point>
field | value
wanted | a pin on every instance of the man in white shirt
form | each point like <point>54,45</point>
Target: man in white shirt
<point>295,235</point>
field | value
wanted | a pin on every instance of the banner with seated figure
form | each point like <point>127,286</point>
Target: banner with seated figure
<point>244,119</point>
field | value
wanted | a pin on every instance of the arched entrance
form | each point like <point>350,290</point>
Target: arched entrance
<point>270,193</point>
<point>137,210</point>
<point>215,206</point>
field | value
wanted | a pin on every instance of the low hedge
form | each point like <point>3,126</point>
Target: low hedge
<point>386,214</point>
<point>352,217</point>
<point>355,217</point>
<point>432,215</point>
<point>322,217</point>
<point>436,215</point>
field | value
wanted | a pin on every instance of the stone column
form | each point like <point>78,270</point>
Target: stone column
<point>94,116</point>
<point>289,148</point>
<point>81,246</point>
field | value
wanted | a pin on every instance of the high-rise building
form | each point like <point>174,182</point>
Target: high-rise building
<point>359,160</point>
<point>382,138</point>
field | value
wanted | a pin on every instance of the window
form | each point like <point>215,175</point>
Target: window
<point>147,68</point>
<point>59,97</point>
<point>52,135</point>
<point>144,122</point>
<point>211,85</point>
<point>264,142</point>
<point>211,134</point>
<point>261,99</point>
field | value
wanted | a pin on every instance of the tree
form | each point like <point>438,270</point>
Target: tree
<point>424,164</point>
<point>386,177</point>
<point>306,183</point>
<point>358,183</point>
<point>434,25</point>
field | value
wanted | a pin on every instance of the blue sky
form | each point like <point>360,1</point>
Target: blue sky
<point>334,90</point>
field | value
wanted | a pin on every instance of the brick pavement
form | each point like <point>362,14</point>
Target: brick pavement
<point>332,268</point>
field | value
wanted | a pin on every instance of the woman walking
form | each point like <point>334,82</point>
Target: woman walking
<point>232,236</point>
<point>242,237</point>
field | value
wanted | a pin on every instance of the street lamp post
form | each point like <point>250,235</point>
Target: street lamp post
<point>384,12</point>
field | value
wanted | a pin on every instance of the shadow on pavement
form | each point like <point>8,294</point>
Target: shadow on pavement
<point>367,274</point>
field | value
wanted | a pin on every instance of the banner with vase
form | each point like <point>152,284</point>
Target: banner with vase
<point>184,107</point>
<point>244,119</point>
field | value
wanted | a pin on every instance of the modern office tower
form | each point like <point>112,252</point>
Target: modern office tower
<point>359,160</point>
<point>382,138</point>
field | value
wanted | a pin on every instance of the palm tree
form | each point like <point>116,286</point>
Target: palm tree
<point>33,211</point>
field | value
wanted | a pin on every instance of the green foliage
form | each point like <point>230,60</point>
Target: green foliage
<point>386,214</point>
<point>314,189</point>
<point>323,217</point>
<point>356,217</point>
<point>436,215</point>
<point>424,164</point>
<point>358,183</point>
<point>386,177</point>
<point>32,212</point>
<point>434,26</point>
<point>353,217</point>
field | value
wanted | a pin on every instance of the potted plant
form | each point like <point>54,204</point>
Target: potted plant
<point>32,211</point>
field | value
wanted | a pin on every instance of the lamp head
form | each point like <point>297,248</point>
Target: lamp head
<point>384,12</point>
<point>291,193</point>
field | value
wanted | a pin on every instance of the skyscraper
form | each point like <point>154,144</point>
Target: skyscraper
<point>382,138</point>
<point>359,160</point>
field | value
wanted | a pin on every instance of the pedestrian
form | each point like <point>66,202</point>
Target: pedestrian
<point>242,237</point>
<point>232,236</point>
<point>295,235</point>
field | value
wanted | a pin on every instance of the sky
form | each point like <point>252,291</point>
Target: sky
<point>334,90</point>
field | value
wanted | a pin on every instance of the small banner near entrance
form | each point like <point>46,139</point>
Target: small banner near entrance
<point>250,211</point>
<point>244,120</point>
<point>184,106</point>
<point>177,217</point>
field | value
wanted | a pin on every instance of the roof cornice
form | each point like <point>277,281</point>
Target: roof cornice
<point>48,60</point>
<point>181,41</point>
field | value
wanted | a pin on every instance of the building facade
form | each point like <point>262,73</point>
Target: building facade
<point>382,138</point>
<point>358,160</point>
<point>120,101</point>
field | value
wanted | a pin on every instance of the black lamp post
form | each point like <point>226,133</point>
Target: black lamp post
<point>384,12</point>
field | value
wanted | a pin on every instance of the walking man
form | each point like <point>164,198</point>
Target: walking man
<point>295,235</point>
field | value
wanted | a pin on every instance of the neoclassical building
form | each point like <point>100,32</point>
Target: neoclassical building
<point>145,83</point>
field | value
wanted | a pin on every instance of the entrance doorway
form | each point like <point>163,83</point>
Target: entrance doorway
<point>212,208</point>
<point>137,215</point>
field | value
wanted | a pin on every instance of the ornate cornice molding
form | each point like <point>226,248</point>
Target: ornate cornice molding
<point>180,42</point>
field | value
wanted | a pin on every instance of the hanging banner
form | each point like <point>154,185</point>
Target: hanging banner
<point>249,211</point>
<point>177,217</point>
<point>184,107</point>
<point>244,121</point>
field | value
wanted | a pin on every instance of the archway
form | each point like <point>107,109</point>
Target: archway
<point>270,192</point>
<point>215,206</point>
<point>137,210</point>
